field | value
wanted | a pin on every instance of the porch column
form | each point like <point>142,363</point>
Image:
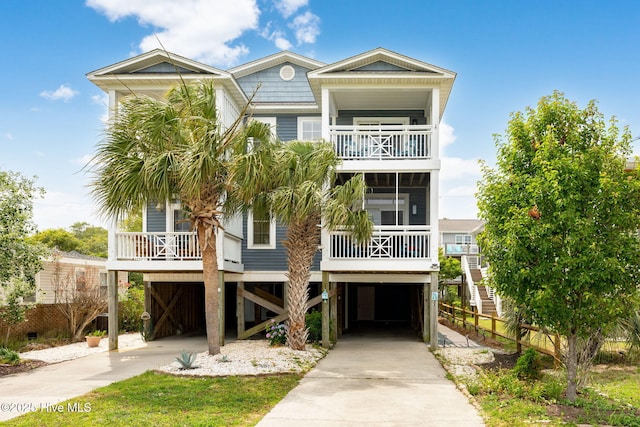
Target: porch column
<point>426,318</point>
<point>434,311</point>
<point>112,287</point>
<point>333,313</point>
<point>325,311</point>
<point>240,308</point>
<point>325,114</point>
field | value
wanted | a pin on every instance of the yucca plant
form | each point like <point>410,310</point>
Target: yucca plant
<point>186,360</point>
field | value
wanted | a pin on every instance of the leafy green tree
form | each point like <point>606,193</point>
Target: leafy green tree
<point>157,150</point>
<point>20,260</point>
<point>450,268</point>
<point>562,216</point>
<point>57,238</point>
<point>93,239</point>
<point>294,183</point>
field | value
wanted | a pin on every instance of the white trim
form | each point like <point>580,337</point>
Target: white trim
<point>314,119</point>
<point>272,234</point>
<point>271,121</point>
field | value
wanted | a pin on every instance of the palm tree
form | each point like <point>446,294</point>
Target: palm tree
<point>294,182</point>
<point>158,150</point>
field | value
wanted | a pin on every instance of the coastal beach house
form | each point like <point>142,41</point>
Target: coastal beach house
<point>381,111</point>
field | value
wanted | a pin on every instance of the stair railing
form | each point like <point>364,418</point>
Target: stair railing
<point>469,262</point>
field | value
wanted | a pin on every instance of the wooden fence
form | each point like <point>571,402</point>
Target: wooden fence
<point>470,319</point>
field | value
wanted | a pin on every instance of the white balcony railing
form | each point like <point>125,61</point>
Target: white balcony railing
<point>387,242</point>
<point>461,249</point>
<point>382,142</point>
<point>157,246</point>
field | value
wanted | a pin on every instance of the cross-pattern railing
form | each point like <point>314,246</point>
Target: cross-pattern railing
<point>157,246</point>
<point>387,242</point>
<point>382,142</point>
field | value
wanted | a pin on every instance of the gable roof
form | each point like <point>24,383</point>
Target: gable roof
<point>368,68</point>
<point>156,70</point>
<point>272,61</point>
<point>466,226</point>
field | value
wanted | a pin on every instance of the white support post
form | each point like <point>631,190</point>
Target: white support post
<point>435,120</point>
<point>325,114</point>
<point>434,201</point>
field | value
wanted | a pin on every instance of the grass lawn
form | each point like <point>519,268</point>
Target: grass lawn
<point>154,399</point>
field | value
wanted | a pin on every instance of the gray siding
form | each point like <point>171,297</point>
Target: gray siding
<point>381,66</point>
<point>164,68</point>
<point>156,220</point>
<point>345,117</point>
<point>287,125</point>
<point>269,259</point>
<point>275,90</point>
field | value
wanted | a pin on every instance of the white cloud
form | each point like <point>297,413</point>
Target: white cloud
<point>306,27</point>
<point>456,168</point>
<point>64,92</point>
<point>198,29</point>
<point>458,178</point>
<point>85,160</point>
<point>9,136</point>
<point>60,210</point>
<point>447,136</point>
<point>289,7</point>
<point>282,43</point>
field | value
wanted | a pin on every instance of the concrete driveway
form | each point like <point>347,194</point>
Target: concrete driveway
<point>381,380</point>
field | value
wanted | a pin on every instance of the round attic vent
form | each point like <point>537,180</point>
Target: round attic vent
<point>287,73</point>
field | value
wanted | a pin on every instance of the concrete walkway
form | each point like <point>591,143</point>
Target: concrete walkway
<point>390,380</point>
<point>46,386</point>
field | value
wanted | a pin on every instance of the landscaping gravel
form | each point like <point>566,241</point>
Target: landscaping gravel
<point>253,357</point>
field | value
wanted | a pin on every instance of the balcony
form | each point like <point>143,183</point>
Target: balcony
<point>165,251</point>
<point>382,142</point>
<point>391,248</point>
<point>451,249</point>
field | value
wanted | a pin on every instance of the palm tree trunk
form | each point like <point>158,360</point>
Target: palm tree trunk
<point>302,244</point>
<point>211,285</point>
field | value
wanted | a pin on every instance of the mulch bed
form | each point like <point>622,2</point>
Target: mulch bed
<point>23,366</point>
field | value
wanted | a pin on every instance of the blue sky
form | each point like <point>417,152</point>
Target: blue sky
<point>507,55</point>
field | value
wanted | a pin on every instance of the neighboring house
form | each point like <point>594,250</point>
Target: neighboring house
<point>381,110</point>
<point>62,268</point>
<point>458,239</point>
<point>458,236</point>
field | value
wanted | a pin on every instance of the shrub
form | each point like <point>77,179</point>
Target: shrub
<point>276,333</point>
<point>8,356</point>
<point>131,307</point>
<point>314,325</point>
<point>527,365</point>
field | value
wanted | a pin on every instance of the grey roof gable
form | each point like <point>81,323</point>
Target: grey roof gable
<point>163,68</point>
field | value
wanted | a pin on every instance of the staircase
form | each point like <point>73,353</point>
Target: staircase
<point>486,305</point>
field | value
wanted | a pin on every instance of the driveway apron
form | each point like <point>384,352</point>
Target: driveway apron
<point>381,380</point>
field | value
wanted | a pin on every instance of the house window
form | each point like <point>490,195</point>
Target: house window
<point>463,239</point>
<point>309,128</point>
<point>81,279</point>
<point>261,231</point>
